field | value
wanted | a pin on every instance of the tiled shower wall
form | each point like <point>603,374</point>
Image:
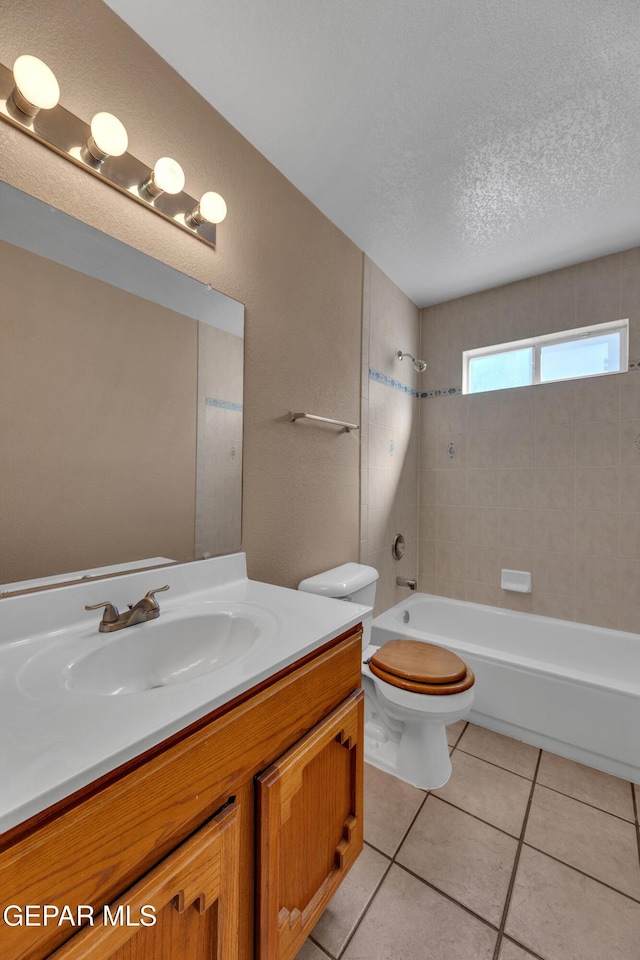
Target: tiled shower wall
<point>543,478</point>
<point>390,433</point>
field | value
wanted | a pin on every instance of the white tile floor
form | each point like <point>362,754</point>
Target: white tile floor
<point>522,854</point>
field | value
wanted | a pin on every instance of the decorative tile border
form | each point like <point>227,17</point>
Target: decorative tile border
<point>380,377</point>
<point>224,404</point>
<point>445,392</point>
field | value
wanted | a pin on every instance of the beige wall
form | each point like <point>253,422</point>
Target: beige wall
<point>298,275</point>
<point>544,478</point>
<point>390,433</point>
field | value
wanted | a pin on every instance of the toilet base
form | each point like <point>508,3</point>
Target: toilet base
<point>420,757</point>
<point>407,742</point>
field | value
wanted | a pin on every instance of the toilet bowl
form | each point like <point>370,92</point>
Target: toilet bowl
<point>412,689</point>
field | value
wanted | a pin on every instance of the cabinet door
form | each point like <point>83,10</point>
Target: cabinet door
<point>309,828</point>
<point>194,892</point>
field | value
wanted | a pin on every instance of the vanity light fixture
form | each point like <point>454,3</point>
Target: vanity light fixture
<point>167,176</point>
<point>211,209</point>
<point>36,87</point>
<point>108,137</point>
<point>29,101</point>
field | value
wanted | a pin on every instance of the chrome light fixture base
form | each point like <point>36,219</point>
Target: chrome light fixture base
<point>67,135</point>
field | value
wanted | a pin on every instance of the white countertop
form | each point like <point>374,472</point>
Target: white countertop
<point>54,739</point>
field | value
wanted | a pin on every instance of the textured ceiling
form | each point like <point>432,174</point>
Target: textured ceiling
<point>460,143</point>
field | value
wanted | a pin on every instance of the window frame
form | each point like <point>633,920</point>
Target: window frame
<point>537,343</point>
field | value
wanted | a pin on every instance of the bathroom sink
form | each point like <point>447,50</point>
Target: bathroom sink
<point>179,647</point>
<point>163,653</point>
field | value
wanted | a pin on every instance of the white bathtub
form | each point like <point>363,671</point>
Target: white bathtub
<point>571,688</point>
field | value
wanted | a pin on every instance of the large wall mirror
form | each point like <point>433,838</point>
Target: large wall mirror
<point>121,399</point>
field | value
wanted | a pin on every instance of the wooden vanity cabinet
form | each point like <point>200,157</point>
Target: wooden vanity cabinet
<point>237,831</point>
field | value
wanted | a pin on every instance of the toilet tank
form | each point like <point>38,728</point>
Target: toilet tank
<point>351,581</point>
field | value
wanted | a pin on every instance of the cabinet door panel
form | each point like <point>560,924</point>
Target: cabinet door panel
<point>309,828</point>
<point>195,894</point>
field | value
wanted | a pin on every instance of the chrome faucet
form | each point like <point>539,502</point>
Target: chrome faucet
<point>403,582</point>
<point>146,609</point>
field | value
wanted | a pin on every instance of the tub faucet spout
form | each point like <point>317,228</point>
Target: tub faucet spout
<point>403,582</point>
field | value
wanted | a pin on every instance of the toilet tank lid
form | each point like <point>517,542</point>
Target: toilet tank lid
<point>340,581</point>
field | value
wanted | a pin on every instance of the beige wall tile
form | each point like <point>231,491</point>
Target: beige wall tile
<point>452,414</point>
<point>451,560</point>
<point>483,487</point>
<point>483,564</point>
<point>451,523</point>
<point>427,480</point>
<point>517,448</point>
<point>597,443</point>
<point>553,573</point>
<point>554,531</point>
<point>555,445</point>
<point>598,398</point>
<point>451,487</point>
<point>522,603</point>
<point>596,534</point>
<point>552,605</point>
<point>630,442</point>
<point>516,487</point>
<point>596,578</point>
<point>630,536</point>
<point>629,582</point>
<point>427,554</point>
<point>629,619</point>
<point>630,489</point>
<point>483,525</point>
<point>482,593</point>
<point>555,403</point>
<point>598,488</point>
<point>427,523</point>
<point>483,448</point>
<point>630,394</point>
<point>598,614</point>
<point>517,528</point>
<point>483,411</point>
<point>517,409</point>
<point>454,589</point>
<point>555,488</point>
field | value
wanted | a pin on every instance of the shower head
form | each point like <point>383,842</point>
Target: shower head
<point>419,365</point>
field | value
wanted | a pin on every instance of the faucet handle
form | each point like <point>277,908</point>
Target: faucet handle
<point>110,614</point>
<point>150,596</point>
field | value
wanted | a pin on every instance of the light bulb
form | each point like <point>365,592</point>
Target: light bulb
<point>211,208</point>
<point>108,137</point>
<point>167,176</point>
<point>36,86</point>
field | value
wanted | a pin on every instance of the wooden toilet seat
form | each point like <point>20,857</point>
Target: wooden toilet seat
<point>421,668</point>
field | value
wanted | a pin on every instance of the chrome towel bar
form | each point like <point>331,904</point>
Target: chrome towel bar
<point>337,423</point>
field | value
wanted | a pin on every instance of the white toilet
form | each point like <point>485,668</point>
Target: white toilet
<point>412,689</point>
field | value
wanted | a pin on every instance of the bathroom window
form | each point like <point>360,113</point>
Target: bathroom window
<point>586,352</point>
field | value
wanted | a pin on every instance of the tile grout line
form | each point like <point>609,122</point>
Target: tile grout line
<point>522,776</point>
<point>392,861</point>
<point>512,882</point>
<point>637,815</point>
